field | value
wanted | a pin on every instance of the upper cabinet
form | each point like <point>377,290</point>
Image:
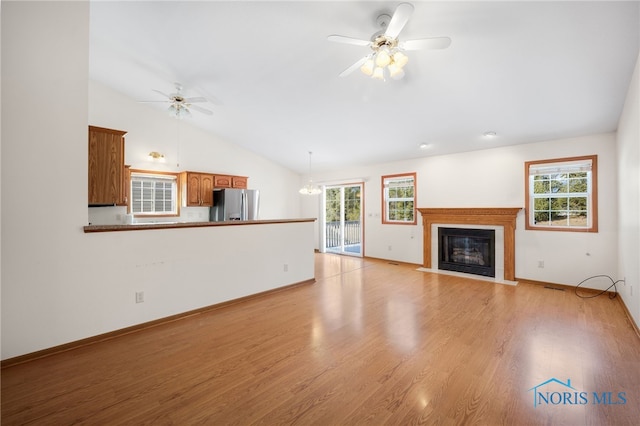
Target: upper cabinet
<point>107,184</point>
<point>239,182</point>
<point>197,189</point>
<point>226,181</point>
<point>126,186</point>
<point>222,181</point>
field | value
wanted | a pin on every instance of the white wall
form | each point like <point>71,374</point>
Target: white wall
<point>60,284</point>
<point>628,162</point>
<point>495,178</point>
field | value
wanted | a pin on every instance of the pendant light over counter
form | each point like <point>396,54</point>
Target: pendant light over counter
<point>310,188</point>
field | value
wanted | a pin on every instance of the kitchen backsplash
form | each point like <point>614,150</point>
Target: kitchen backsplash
<point>117,215</point>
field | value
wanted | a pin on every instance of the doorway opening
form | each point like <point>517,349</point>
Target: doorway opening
<point>343,225</point>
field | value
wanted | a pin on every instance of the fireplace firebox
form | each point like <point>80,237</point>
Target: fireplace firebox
<point>471,251</point>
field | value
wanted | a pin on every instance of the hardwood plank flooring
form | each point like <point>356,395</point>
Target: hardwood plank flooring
<point>369,343</point>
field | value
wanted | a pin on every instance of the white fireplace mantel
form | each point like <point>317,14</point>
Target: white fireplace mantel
<point>498,216</point>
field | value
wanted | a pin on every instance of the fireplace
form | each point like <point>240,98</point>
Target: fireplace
<point>471,251</point>
<point>499,218</point>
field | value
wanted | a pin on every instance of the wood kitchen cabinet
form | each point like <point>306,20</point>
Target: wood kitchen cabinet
<point>222,181</point>
<point>106,167</point>
<point>239,182</point>
<point>226,181</point>
<point>126,186</point>
<point>197,189</point>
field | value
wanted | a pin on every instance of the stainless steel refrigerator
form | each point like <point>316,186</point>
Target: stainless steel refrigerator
<point>235,204</point>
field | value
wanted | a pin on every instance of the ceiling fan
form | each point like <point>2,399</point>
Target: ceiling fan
<point>387,57</point>
<point>179,105</point>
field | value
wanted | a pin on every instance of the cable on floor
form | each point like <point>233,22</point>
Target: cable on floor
<point>613,284</point>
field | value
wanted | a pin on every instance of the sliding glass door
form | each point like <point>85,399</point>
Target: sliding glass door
<point>343,219</point>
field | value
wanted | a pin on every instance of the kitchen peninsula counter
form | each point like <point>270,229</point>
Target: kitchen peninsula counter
<point>173,225</point>
<point>182,268</point>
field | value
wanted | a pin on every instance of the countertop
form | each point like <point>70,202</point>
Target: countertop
<point>174,225</point>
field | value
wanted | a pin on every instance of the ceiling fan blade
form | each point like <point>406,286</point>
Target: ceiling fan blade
<point>163,94</point>
<point>425,43</point>
<point>348,40</point>
<point>355,66</point>
<point>399,19</point>
<point>196,99</point>
<point>200,109</point>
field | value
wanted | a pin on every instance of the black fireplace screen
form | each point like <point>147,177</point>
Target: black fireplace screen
<point>467,250</point>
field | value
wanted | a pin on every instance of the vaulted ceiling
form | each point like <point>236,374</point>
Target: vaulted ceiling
<point>529,71</point>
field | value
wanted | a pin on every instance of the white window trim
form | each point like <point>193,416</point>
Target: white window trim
<point>386,200</point>
<point>173,177</point>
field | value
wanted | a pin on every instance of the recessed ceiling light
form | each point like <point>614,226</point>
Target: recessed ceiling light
<point>489,134</point>
<point>425,146</point>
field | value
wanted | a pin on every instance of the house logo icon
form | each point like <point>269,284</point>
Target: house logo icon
<point>536,393</point>
<point>557,392</point>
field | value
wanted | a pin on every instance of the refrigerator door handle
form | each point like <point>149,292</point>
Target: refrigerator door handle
<point>244,208</point>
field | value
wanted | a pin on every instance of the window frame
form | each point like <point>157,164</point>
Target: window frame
<point>591,194</point>
<point>385,202</point>
<point>155,174</point>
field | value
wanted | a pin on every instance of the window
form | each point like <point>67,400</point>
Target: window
<point>154,193</point>
<point>561,194</point>
<point>398,199</point>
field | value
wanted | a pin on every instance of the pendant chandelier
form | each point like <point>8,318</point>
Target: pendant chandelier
<point>310,188</point>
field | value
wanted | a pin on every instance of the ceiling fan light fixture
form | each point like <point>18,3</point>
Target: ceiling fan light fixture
<point>179,111</point>
<point>400,59</point>
<point>382,57</point>
<point>387,48</point>
<point>395,71</point>
<point>180,106</point>
<point>367,67</point>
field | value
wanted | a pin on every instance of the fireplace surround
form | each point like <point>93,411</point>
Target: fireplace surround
<point>504,217</point>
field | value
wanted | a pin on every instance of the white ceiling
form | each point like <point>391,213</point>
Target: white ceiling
<point>530,71</point>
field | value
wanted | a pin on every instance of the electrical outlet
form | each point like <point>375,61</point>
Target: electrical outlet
<point>139,296</point>
<point>540,263</point>
<point>286,267</point>
<point>390,248</point>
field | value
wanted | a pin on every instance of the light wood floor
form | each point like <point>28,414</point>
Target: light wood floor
<point>369,343</point>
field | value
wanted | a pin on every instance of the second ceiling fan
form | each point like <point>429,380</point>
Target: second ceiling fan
<point>179,106</point>
<point>387,58</point>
